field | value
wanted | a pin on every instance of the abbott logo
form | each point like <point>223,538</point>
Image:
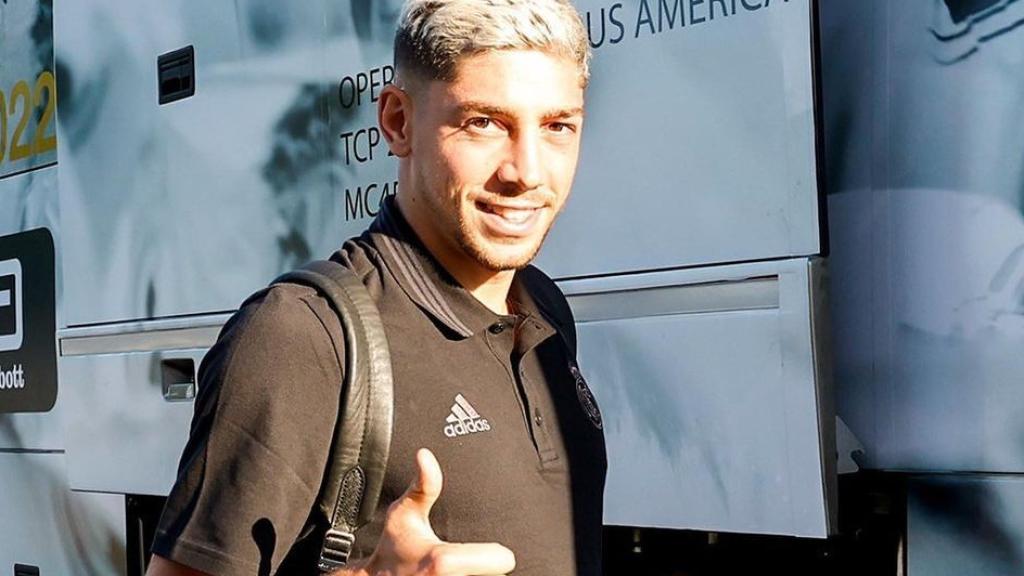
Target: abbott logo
<point>10,305</point>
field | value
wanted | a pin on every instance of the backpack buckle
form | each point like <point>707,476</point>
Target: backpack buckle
<point>336,549</point>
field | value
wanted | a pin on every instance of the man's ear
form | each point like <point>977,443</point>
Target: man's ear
<point>394,115</point>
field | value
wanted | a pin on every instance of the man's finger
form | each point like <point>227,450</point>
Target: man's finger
<point>426,487</point>
<point>484,559</point>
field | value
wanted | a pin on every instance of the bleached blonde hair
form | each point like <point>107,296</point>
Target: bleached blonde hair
<point>433,35</point>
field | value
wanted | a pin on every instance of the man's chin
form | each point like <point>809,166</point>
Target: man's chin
<point>505,264</point>
<point>504,258</point>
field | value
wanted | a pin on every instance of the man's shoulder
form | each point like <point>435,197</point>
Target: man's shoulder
<point>537,279</point>
<point>286,317</point>
<point>359,254</point>
<point>550,300</point>
<point>283,309</point>
<point>278,313</point>
<point>543,287</point>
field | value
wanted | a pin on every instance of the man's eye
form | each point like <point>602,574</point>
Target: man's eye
<point>481,123</point>
<point>562,127</point>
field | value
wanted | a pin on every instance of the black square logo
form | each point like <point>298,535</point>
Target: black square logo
<point>28,322</point>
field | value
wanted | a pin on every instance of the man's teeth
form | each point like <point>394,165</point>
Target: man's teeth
<point>514,215</point>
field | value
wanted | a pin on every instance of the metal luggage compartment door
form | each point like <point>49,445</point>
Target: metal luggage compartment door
<point>715,390</point>
<point>128,393</point>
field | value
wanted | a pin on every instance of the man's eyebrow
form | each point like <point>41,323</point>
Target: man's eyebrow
<point>565,113</point>
<point>489,109</point>
<point>492,110</point>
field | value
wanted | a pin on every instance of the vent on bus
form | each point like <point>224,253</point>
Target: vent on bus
<point>177,72</point>
<point>25,570</point>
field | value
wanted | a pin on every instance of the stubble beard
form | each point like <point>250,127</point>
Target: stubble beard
<point>475,248</point>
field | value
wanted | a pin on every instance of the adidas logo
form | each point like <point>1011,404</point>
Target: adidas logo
<point>464,419</point>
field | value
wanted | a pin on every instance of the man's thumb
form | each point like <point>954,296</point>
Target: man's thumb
<point>426,487</point>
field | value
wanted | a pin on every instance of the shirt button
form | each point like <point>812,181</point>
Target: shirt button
<point>497,328</point>
<point>538,419</point>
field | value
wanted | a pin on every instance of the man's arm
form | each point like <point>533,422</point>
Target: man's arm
<point>408,545</point>
<point>264,418</point>
<point>160,566</point>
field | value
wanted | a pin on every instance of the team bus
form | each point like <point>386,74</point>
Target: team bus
<point>794,250</point>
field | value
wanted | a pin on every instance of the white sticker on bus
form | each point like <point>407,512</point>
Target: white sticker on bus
<point>11,297</point>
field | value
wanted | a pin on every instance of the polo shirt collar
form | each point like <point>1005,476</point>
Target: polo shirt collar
<point>537,323</point>
<point>428,284</point>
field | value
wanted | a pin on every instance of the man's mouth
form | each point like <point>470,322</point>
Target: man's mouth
<point>510,219</point>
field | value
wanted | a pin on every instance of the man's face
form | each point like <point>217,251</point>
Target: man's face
<point>493,154</point>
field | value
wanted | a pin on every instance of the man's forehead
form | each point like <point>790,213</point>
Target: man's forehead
<point>499,109</point>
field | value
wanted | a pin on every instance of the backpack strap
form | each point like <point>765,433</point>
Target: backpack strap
<point>362,434</point>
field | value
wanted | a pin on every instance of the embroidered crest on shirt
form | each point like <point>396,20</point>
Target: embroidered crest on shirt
<point>464,419</point>
<point>586,397</point>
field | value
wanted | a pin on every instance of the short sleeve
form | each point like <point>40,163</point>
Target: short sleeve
<point>264,418</point>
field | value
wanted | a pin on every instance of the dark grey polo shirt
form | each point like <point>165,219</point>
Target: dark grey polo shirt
<point>498,399</point>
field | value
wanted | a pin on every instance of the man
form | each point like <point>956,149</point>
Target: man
<point>485,116</point>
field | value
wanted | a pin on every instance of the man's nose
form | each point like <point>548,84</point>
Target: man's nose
<point>522,166</point>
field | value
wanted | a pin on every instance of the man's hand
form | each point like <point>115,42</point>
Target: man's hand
<point>409,547</point>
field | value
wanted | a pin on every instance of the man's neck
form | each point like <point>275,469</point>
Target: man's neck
<point>490,287</point>
<point>493,292</point>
